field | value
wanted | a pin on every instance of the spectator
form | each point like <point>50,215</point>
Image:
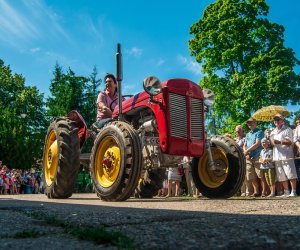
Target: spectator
<point>282,140</point>
<point>187,173</point>
<point>296,138</point>
<point>252,148</point>
<point>6,184</point>
<point>187,166</point>
<point>164,190</point>
<point>22,182</point>
<point>32,183</point>
<point>38,181</point>
<point>173,176</point>
<point>246,188</point>
<point>1,183</point>
<point>267,166</point>
<point>240,136</point>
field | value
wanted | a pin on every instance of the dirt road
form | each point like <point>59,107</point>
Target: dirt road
<point>33,221</point>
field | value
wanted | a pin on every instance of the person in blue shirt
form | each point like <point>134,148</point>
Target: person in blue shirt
<point>252,148</point>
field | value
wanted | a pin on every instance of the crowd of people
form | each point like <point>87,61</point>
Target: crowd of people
<point>270,158</point>
<point>179,181</point>
<point>16,181</point>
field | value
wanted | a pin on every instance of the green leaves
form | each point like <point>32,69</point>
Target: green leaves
<point>244,59</point>
<point>24,117</point>
<point>72,92</point>
<point>21,138</point>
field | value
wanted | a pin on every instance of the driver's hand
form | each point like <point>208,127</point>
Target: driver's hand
<point>106,110</point>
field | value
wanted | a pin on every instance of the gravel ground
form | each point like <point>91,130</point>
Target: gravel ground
<point>174,223</point>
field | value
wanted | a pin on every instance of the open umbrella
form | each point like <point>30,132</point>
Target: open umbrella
<point>267,113</point>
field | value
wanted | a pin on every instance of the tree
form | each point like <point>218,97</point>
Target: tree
<point>90,96</point>
<point>22,120</point>
<point>66,92</point>
<point>71,92</point>
<point>244,59</point>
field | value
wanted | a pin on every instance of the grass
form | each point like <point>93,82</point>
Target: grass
<point>28,234</point>
<point>98,235</point>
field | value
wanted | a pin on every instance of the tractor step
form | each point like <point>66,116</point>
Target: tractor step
<point>85,159</point>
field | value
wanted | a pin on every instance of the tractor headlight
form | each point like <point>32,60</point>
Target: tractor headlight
<point>152,85</point>
<point>209,97</point>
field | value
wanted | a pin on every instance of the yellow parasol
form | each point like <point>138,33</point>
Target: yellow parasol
<point>267,113</point>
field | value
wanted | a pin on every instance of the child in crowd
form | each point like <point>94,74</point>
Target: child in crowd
<point>266,157</point>
<point>1,183</point>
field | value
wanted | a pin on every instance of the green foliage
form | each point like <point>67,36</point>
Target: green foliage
<point>90,97</point>
<point>66,90</point>
<point>97,234</point>
<point>100,235</point>
<point>33,233</point>
<point>71,92</point>
<point>22,120</point>
<point>244,60</point>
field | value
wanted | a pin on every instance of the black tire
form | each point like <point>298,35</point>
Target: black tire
<point>116,161</point>
<point>61,158</point>
<point>151,182</point>
<point>229,175</point>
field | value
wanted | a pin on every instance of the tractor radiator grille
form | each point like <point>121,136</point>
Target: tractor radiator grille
<point>196,119</point>
<point>178,121</point>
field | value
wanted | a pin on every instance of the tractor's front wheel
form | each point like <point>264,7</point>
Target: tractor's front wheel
<point>116,161</point>
<point>225,178</point>
<point>61,158</point>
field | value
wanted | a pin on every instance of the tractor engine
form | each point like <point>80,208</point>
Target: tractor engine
<point>152,153</point>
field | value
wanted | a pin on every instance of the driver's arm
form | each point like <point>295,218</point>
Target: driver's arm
<point>106,111</point>
<point>103,108</point>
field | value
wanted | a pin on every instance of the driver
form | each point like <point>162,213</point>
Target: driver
<point>106,99</point>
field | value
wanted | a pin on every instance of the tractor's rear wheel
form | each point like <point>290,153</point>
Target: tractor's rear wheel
<point>61,158</point>
<point>151,182</point>
<point>230,165</point>
<point>116,161</point>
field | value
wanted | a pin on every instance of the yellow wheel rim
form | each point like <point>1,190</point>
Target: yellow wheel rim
<point>107,162</point>
<point>51,158</point>
<point>213,178</point>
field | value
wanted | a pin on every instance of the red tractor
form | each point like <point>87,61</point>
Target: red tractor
<point>148,132</point>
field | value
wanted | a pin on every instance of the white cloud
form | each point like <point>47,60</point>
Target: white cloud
<point>190,65</point>
<point>54,57</point>
<point>160,62</point>
<point>134,51</point>
<point>49,22</point>
<point>97,29</point>
<point>14,25</point>
<point>35,50</point>
<point>25,23</point>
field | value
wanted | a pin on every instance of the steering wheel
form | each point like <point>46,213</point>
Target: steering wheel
<point>123,96</point>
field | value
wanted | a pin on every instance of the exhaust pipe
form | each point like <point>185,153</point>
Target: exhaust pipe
<point>119,76</point>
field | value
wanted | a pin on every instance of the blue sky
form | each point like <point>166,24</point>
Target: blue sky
<point>81,34</point>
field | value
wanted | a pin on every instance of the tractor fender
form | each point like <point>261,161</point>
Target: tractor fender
<point>81,125</point>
